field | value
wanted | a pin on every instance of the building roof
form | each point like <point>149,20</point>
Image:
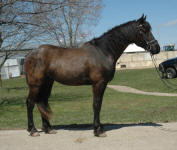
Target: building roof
<point>134,48</point>
<point>11,62</point>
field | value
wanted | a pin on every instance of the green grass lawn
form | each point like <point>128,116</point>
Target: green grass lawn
<point>73,105</point>
<point>143,79</point>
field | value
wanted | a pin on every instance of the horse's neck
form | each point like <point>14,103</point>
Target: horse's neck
<point>114,45</point>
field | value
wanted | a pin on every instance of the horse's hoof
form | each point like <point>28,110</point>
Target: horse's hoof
<point>99,132</point>
<point>102,135</point>
<point>34,134</point>
<point>52,131</point>
<point>49,130</point>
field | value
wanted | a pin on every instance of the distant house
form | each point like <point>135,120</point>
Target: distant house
<point>14,67</point>
<point>10,69</point>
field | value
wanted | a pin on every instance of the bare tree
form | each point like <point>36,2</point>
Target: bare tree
<point>71,23</point>
<point>13,33</point>
<point>16,28</point>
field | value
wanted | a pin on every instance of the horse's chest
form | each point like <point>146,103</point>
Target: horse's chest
<point>109,74</point>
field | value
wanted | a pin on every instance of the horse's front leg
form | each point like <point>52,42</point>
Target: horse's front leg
<point>98,91</point>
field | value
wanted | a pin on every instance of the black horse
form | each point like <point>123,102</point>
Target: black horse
<point>92,64</point>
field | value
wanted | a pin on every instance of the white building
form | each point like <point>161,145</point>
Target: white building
<point>132,48</point>
<point>10,69</point>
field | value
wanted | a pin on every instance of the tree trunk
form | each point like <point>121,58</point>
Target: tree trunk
<point>0,81</point>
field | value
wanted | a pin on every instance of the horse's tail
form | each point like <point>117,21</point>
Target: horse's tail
<point>44,110</point>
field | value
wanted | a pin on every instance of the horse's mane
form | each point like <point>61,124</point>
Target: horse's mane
<point>115,38</point>
<point>121,30</point>
<point>124,29</point>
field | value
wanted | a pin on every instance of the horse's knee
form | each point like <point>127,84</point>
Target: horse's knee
<point>29,103</point>
<point>32,96</point>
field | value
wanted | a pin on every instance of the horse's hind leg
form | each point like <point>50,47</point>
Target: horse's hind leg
<point>30,102</point>
<point>45,92</point>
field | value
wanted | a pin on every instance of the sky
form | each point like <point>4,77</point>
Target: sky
<point>161,14</point>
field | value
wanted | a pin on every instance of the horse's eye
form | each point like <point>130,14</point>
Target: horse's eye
<point>143,30</point>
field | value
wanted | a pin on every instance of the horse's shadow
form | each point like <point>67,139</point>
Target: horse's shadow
<point>107,126</point>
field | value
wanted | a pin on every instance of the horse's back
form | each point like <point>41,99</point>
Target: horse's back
<point>62,64</point>
<point>78,66</point>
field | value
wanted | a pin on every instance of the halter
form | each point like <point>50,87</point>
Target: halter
<point>150,44</point>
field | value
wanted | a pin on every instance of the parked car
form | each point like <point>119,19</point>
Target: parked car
<point>168,68</point>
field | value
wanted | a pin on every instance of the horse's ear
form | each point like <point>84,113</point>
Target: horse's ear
<point>142,19</point>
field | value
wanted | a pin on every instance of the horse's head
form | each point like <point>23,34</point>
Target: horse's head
<point>144,36</point>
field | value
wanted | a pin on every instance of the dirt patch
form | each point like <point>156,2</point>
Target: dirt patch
<point>80,140</point>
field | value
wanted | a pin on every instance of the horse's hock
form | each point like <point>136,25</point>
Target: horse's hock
<point>143,59</point>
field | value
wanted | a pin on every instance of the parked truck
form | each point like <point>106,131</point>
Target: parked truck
<point>170,47</point>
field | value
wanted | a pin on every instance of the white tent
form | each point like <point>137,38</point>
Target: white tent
<point>133,48</point>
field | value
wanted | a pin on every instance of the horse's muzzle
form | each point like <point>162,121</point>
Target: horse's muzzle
<point>153,47</point>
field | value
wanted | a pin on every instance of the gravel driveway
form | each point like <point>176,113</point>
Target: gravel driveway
<point>127,89</point>
<point>162,136</point>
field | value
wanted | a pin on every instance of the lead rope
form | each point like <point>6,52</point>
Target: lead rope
<point>165,81</point>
